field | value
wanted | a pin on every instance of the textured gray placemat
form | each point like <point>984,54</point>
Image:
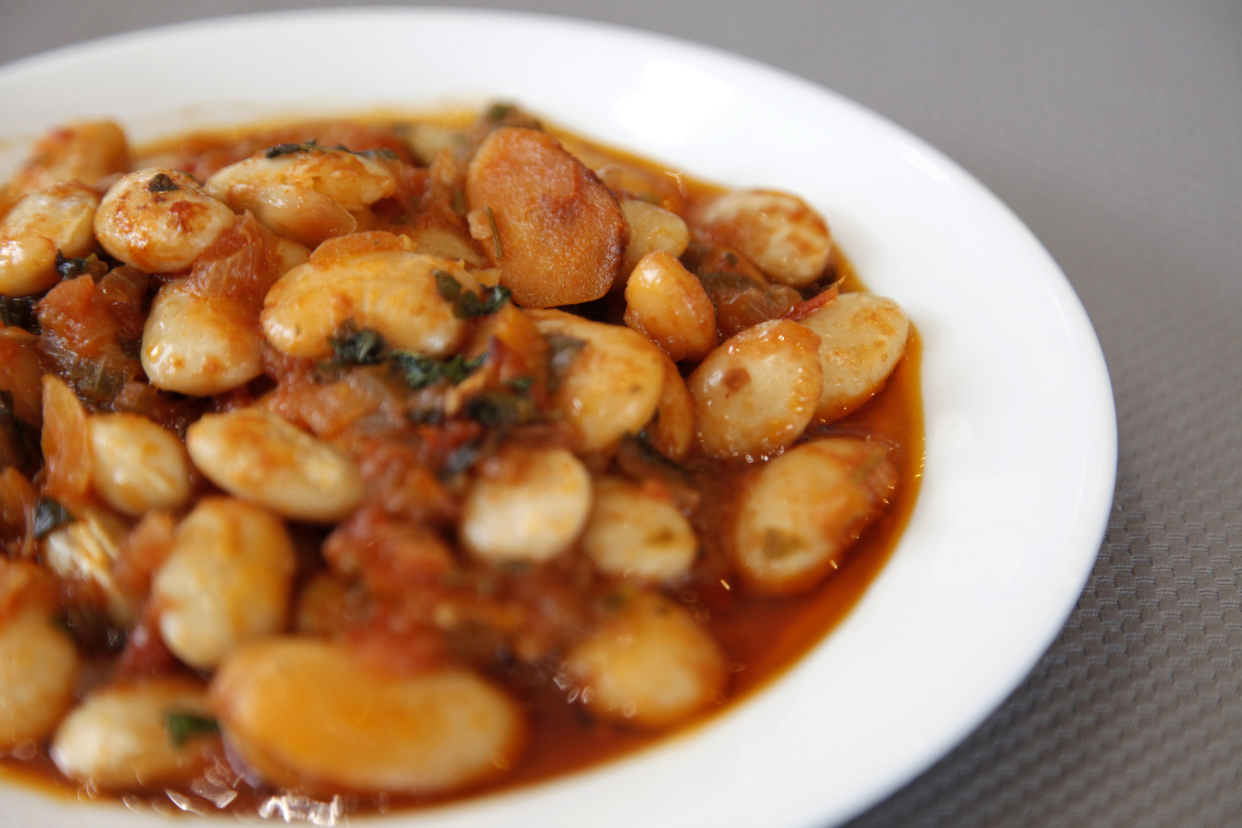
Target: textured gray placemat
<point>1114,130</point>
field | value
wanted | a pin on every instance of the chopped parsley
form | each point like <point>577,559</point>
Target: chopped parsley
<point>466,303</point>
<point>182,727</point>
<point>162,183</point>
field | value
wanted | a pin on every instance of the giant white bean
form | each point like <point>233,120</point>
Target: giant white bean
<point>756,393</point>
<point>226,580</point>
<point>137,736</point>
<point>56,219</point>
<point>526,504</point>
<point>393,292</point>
<point>39,664</point>
<point>649,667</point>
<point>862,337</point>
<point>261,457</point>
<point>138,466</point>
<point>608,378</point>
<point>304,711</point>
<point>804,509</point>
<point>633,533</point>
<point>779,232</point>
<point>159,220</point>
<point>199,344</point>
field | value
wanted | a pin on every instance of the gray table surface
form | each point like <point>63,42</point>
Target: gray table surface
<point>1114,129</point>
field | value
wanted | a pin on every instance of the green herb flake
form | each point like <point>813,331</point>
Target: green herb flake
<point>447,285</point>
<point>19,312</point>
<point>310,146</point>
<point>182,727</point>
<point>421,371</point>
<point>521,385</point>
<point>49,515</point>
<point>496,409</point>
<point>562,351</point>
<point>459,201</point>
<point>496,242</point>
<point>499,111</point>
<point>354,346</point>
<point>69,268</point>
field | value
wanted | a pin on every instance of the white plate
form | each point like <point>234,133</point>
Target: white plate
<point>1021,436</point>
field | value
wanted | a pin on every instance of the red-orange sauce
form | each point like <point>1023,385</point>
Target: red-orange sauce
<point>761,636</point>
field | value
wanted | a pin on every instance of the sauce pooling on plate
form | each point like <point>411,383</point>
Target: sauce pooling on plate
<point>366,463</point>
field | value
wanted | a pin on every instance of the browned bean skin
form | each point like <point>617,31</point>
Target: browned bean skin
<point>561,232</point>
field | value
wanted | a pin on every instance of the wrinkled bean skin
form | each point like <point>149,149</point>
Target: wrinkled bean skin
<point>561,231</point>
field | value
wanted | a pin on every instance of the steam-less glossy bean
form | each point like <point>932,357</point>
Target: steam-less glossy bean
<point>862,337</point>
<point>804,509</point>
<point>609,379</point>
<point>390,291</point>
<point>261,457</point>
<point>226,580</point>
<point>55,219</point>
<point>779,232</point>
<point>649,667</point>
<point>633,533</point>
<point>667,303</point>
<point>199,344</point>
<point>526,504</point>
<point>136,736</point>
<point>39,664</point>
<point>307,712</point>
<point>85,550</point>
<point>84,150</point>
<point>159,220</point>
<point>756,393</point>
<point>138,466</point>
<point>652,228</point>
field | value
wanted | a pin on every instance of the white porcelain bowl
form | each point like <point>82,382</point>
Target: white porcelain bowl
<point>1021,436</point>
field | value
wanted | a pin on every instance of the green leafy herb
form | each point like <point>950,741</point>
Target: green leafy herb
<point>496,242</point>
<point>49,515</point>
<point>353,346</point>
<point>182,727</point>
<point>466,303</point>
<point>71,268</point>
<point>562,351</point>
<point>459,201</point>
<point>162,183</point>
<point>496,409</point>
<point>499,111</point>
<point>421,371</point>
<point>521,385</point>
<point>19,312</point>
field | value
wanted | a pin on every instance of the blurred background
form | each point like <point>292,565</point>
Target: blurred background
<point>1113,128</point>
